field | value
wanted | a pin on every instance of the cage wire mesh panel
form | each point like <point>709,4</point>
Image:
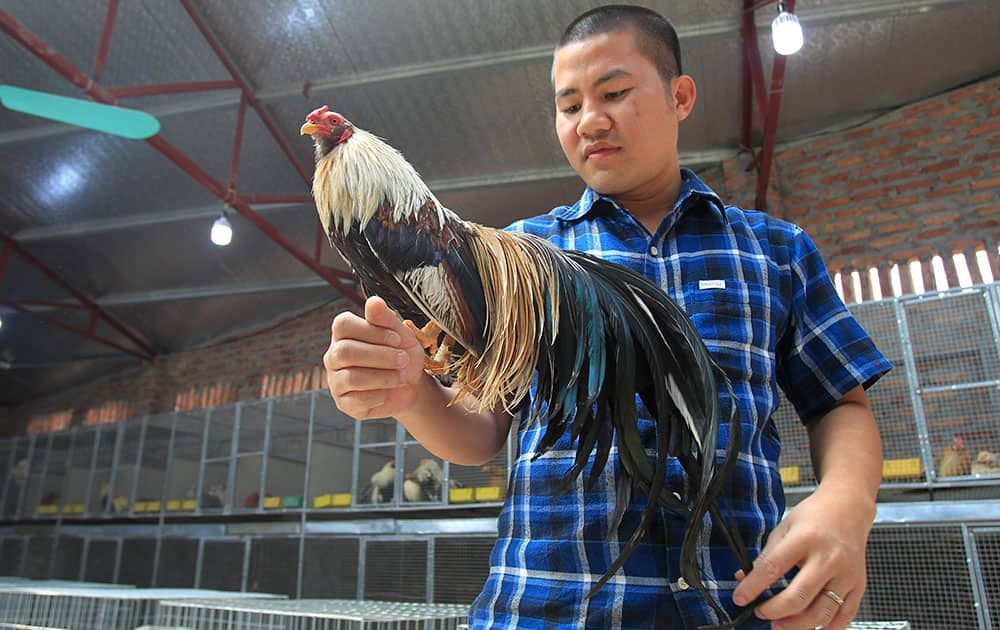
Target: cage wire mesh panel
<point>152,467</point>
<point>331,457</point>
<point>102,559</point>
<point>396,570</point>
<point>461,566</point>
<point>287,453</point>
<point>306,614</point>
<point>957,359</point>
<point>919,574</point>
<point>67,557</point>
<point>250,450</point>
<point>136,564</point>
<point>39,556</point>
<point>273,565</point>
<point>215,490</point>
<point>987,542</point>
<point>376,464</point>
<point>178,563</point>
<point>95,608</point>
<point>222,565</point>
<point>181,486</point>
<point>330,567</point>
<point>11,550</point>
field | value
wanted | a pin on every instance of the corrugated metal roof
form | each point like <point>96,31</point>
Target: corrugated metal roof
<point>460,86</point>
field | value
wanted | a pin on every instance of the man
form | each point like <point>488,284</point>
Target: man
<point>758,294</point>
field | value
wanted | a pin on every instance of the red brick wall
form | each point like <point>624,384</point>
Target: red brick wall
<point>920,181</point>
<point>281,358</point>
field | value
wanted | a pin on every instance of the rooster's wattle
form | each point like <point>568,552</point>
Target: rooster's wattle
<point>502,307</point>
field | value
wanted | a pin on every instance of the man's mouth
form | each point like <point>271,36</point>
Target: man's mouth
<point>599,150</point>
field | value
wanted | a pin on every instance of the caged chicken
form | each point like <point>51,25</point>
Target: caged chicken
<point>954,460</point>
<point>600,333</point>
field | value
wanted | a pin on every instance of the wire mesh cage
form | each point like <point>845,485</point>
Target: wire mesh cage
<point>330,567</point>
<point>177,565</point>
<point>395,570</point>
<point>920,573</point>
<point>251,446</point>
<point>288,452</point>
<point>937,409</point>
<point>331,456</point>
<point>315,614</point>
<point>138,557</point>
<point>461,566</point>
<point>986,541</point>
<point>181,486</point>
<point>38,558</point>
<point>101,559</point>
<point>147,493</point>
<point>66,557</point>
<point>273,565</point>
<point>222,564</point>
<point>218,453</point>
<point>87,607</point>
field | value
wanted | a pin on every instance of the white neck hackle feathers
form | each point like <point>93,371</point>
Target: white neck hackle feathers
<point>352,181</point>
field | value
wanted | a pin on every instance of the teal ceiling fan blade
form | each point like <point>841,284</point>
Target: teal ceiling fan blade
<point>120,121</point>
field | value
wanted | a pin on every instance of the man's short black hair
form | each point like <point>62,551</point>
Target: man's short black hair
<point>655,36</point>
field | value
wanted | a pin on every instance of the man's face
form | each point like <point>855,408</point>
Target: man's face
<point>615,119</point>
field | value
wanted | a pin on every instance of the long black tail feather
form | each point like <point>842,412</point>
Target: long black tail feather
<point>619,335</point>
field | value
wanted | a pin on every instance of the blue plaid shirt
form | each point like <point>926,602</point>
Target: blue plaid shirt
<point>759,295</point>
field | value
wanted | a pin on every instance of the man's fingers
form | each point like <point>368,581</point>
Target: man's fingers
<point>363,405</point>
<point>777,558</point>
<point>347,325</point>
<point>377,312</point>
<point>348,353</point>
<point>360,379</point>
<point>798,596</point>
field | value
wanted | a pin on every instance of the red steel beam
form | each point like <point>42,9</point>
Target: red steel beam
<point>4,260</point>
<point>247,92</point>
<point>63,66</point>
<point>102,49</point>
<point>751,57</point>
<point>128,91</point>
<point>771,127</point>
<point>237,143</point>
<point>77,295</point>
<point>52,321</point>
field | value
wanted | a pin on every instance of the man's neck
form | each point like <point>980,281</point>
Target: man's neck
<point>651,210</point>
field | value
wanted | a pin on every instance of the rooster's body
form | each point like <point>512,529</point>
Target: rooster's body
<point>511,306</point>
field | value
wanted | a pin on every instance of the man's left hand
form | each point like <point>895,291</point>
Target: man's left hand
<point>825,536</point>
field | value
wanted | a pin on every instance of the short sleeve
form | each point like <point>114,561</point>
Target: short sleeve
<point>824,352</point>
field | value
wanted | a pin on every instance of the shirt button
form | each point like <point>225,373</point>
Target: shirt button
<point>682,584</point>
<point>653,251</point>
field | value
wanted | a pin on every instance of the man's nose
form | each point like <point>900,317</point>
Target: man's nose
<point>594,122</point>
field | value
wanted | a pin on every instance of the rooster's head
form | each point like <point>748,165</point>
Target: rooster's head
<point>327,128</point>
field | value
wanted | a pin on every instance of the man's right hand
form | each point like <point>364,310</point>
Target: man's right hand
<point>374,366</point>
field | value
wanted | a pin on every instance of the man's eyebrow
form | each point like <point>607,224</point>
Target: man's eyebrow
<point>604,78</point>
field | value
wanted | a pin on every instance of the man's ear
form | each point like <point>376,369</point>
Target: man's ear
<point>684,93</point>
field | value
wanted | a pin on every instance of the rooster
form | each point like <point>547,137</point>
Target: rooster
<point>493,309</point>
<point>986,463</point>
<point>955,459</point>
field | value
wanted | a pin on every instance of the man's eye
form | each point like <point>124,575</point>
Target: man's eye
<point>611,96</point>
<point>572,109</point>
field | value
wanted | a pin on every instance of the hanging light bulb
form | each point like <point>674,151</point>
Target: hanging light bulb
<point>222,231</point>
<point>786,32</point>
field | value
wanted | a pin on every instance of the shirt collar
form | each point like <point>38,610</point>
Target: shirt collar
<point>691,187</point>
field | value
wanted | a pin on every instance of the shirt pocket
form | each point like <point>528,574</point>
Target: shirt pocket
<point>740,325</point>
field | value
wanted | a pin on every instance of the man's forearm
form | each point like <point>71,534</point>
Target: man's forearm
<point>846,448</point>
<point>458,432</point>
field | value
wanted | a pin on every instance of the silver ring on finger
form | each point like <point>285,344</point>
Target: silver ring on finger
<point>836,598</point>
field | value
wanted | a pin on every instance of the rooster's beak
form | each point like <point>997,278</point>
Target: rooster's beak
<point>308,129</point>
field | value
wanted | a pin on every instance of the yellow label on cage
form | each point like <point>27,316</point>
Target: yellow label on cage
<point>902,468</point>
<point>271,503</point>
<point>790,475</point>
<point>460,495</point>
<point>488,493</point>
<point>189,504</point>
<point>48,509</point>
<point>173,505</point>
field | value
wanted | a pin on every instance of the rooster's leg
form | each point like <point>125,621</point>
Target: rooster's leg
<point>438,354</point>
